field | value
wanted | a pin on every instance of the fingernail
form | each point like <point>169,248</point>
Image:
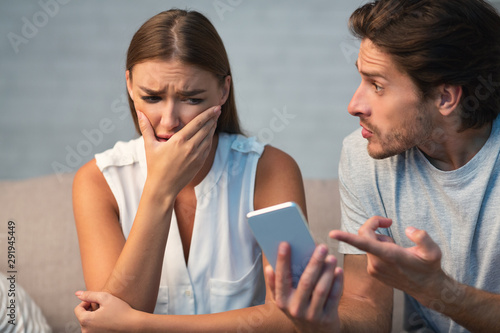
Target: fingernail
<point>282,248</point>
<point>79,293</point>
<point>331,234</point>
<point>217,109</point>
<point>331,259</point>
<point>321,250</point>
<point>410,230</point>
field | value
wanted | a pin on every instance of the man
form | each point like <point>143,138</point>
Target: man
<point>419,183</point>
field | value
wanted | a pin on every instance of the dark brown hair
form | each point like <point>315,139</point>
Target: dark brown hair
<point>189,37</point>
<point>437,42</point>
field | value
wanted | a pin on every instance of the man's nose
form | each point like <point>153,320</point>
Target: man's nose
<point>358,105</point>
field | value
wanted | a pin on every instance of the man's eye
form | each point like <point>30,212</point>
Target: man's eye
<point>377,87</point>
<point>151,99</point>
<point>192,101</point>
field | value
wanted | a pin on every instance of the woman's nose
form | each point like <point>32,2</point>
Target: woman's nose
<point>170,117</point>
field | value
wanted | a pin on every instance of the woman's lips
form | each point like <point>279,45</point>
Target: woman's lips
<point>163,138</point>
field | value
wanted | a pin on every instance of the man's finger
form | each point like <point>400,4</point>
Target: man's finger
<point>384,238</point>
<point>367,239</point>
<point>360,242</point>
<point>363,243</point>
<point>372,224</point>
<point>367,229</point>
<point>426,248</point>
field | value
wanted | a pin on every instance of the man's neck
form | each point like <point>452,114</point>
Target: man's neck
<point>450,149</point>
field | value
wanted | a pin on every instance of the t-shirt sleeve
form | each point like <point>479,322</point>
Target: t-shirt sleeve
<point>353,216</point>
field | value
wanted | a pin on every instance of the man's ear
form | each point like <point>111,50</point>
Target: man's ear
<point>448,98</point>
<point>225,89</point>
<point>128,77</point>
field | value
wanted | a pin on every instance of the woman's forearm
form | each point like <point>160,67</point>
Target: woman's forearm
<point>136,275</point>
<point>260,318</point>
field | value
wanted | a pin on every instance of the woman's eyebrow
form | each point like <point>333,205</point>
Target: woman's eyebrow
<point>186,93</point>
<point>151,91</point>
<point>189,93</point>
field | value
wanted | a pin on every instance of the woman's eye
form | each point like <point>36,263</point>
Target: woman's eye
<point>151,99</point>
<point>192,101</point>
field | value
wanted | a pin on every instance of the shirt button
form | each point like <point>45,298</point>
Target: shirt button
<point>188,293</point>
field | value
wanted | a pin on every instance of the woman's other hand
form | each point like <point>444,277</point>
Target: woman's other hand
<point>313,306</point>
<point>112,315</point>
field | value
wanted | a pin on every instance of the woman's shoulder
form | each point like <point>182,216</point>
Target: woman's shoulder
<point>272,160</point>
<point>122,153</point>
<point>241,143</point>
<point>276,161</point>
<point>89,185</point>
<point>278,178</point>
<point>88,175</point>
<point>87,172</point>
<point>91,175</point>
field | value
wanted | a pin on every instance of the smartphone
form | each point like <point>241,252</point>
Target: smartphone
<point>283,223</point>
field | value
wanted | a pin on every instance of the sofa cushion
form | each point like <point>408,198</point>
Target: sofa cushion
<point>47,255</point>
<point>323,211</point>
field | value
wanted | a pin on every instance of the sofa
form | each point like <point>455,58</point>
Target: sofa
<point>48,264</point>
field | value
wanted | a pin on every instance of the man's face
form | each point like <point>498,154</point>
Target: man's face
<point>393,116</point>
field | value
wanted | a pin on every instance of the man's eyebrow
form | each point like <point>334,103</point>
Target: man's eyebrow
<point>189,93</point>
<point>370,75</point>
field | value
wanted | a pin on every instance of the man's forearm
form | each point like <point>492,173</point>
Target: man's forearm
<point>359,316</point>
<point>474,309</point>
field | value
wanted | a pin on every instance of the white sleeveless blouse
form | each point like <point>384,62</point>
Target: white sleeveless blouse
<point>224,270</point>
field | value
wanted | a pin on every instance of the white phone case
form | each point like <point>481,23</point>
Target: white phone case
<point>283,223</point>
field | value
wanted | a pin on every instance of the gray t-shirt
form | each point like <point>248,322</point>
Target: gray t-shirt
<point>459,209</point>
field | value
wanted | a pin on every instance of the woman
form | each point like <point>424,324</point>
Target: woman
<point>161,219</point>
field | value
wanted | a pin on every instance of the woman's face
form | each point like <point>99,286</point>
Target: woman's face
<point>171,94</point>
